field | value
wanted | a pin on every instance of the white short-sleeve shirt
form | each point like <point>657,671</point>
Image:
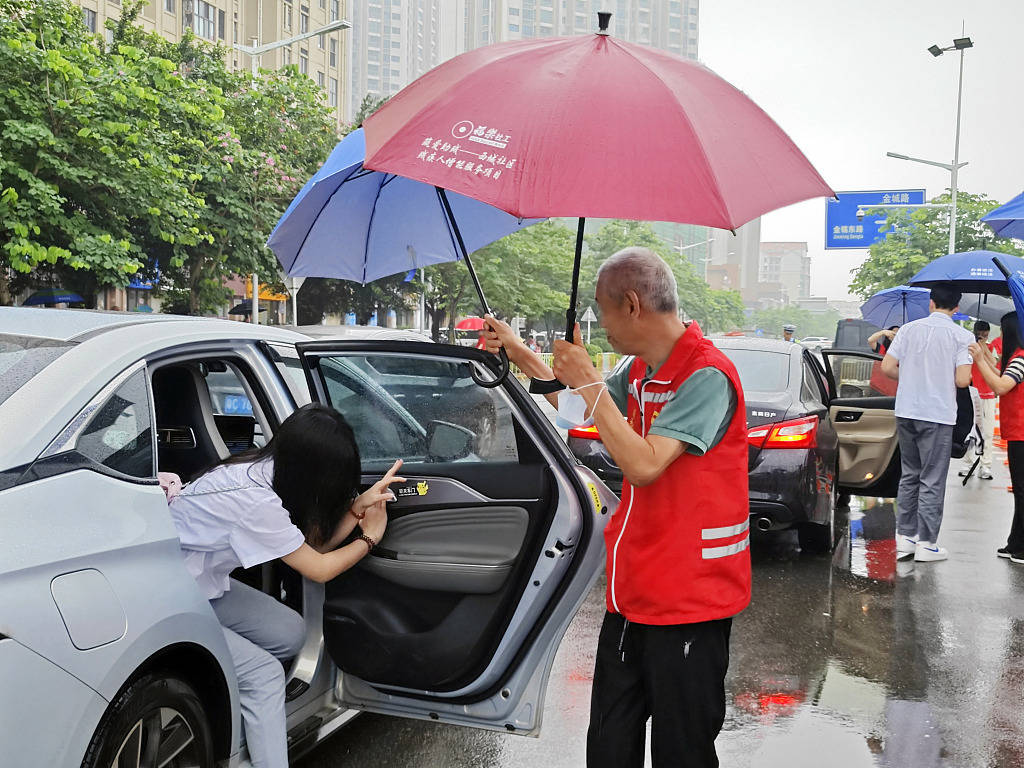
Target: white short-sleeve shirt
<point>229,518</point>
<point>929,351</point>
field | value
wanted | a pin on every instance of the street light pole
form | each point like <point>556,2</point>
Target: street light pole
<point>959,44</point>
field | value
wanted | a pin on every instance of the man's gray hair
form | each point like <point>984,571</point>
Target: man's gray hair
<point>644,271</point>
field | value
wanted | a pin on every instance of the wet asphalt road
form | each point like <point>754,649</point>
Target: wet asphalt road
<point>850,661</point>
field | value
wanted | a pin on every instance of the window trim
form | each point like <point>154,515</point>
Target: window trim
<point>66,441</point>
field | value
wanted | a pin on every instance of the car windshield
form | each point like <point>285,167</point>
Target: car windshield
<point>22,357</point>
<point>760,371</point>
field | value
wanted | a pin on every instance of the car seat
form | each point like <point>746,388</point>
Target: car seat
<point>188,441</point>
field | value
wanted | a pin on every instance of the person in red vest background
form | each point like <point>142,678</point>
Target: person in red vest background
<point>678,563</point>
<point>987,411</point>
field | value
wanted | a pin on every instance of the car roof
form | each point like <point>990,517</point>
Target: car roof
<point>358,332</point>
<point>764,345</point>
<point>69,324</point>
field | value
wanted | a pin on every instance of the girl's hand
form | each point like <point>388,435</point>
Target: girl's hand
<point>378,493</point>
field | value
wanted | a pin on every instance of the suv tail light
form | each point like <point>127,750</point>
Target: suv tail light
<point>586,433</point>
<point>795,433</point>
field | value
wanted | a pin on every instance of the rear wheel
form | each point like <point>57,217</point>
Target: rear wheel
<point>820,537</point>
<point>155,721</point>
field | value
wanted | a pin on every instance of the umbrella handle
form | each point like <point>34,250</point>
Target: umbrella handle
<point>1002,267</point>
<point>503,368</point>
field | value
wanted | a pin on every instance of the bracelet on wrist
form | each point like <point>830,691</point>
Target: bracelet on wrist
<point>370,543</point>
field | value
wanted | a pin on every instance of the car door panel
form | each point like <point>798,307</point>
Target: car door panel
<point>465,550</point>
<point>457,613</point>
<point>862,411</point>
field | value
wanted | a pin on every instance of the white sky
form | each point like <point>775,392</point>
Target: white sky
<point>850,80</point>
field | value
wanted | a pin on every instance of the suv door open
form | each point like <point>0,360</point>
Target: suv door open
<point>862,402</point>
<point>492,544</point>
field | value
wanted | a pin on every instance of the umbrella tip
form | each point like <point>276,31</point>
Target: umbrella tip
<point>604,18</point>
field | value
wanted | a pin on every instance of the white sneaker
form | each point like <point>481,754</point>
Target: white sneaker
<point>905,545</point>
<point>927,552</point>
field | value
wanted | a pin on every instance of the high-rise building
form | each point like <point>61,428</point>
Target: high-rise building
<point>669,25</point>
<point>734,261</point>
<point>393,43</point>
<point>323,58</point>
<point>784,272</point>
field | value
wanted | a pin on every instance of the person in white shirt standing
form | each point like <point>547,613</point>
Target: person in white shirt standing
<point>930,359</point>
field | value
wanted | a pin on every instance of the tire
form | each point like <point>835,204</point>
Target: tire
<point>820,538</point>
<point>157,720</point>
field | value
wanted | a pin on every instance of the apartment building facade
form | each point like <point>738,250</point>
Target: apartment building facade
<point>324,58</point>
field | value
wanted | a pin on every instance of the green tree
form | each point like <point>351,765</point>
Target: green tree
<point>88,176</point>
<point>807,323</point>
<point>922,235</point>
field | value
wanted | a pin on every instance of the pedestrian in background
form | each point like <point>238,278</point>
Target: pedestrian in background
<point>1004,382</point>
<point>789,333</point>
<point>678,564</point>
<point>986,405</point>
<point>929,358</point>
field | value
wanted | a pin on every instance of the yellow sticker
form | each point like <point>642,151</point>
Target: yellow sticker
<point>596,497</point>
<point>422,487</point>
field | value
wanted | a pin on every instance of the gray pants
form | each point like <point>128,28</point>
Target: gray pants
<point>924,449</point>
<point>261,633</point>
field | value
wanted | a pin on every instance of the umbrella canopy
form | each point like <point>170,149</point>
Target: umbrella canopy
<point>985,306</point>
<point>470,324</point>
<point>969,271</point>
<point>1008,220</point>
<point>52,296</point>
<point>591,126</point>
<point>1014,279</point>
<point>354,224</point>
<point>896,306</point>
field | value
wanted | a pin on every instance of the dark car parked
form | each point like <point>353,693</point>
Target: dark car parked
<point>815,431</point>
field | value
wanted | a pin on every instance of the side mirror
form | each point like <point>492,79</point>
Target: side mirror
<point>449,442</point>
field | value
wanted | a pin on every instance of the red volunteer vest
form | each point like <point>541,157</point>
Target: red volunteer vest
<point>677,549</point>
<point>1011,410</point>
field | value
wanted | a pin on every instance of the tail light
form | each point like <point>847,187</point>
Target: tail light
<point>795,433</point>
<point>586,433</point>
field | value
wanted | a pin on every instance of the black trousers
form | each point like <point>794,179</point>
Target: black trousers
<point>674,675</point>
<point>1015,455</point>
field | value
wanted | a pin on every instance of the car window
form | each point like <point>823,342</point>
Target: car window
<point>858,376</point>
<point>810,388</point>
<point>396,414</point>
<point>239,425</point>
<point>760,371</point>
<point>22,357</point>
<point>120,434</point>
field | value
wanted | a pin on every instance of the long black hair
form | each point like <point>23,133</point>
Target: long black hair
<point>1011,338</point>
<point>316,468</point>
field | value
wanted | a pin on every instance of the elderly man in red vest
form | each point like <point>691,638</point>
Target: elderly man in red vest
<point>678,565</point>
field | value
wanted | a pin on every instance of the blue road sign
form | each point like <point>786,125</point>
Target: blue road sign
<point>843,230</point>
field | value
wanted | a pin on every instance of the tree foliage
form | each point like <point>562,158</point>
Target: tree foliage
<point>922,235</point>
<point>807,323</point>
<point>144,155</point>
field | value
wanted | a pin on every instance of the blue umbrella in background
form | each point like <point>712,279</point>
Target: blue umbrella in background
<point>1014,280</point>
<point>896,306</point>
<point>356,224</point>
<point>1008,220</point>
<point>969,272</point>
<point>52,296</point>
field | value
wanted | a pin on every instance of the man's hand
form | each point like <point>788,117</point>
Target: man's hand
<point>572,364</point>
<point>498,334</point>
<point>889,334</point>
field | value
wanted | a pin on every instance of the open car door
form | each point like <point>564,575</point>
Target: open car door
<point>862,403</point>
<point>491,546</point>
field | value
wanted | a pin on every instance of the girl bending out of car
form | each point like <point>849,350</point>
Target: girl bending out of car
<point>294,499</point>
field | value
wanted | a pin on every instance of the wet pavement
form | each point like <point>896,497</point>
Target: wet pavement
<point>851,661</point>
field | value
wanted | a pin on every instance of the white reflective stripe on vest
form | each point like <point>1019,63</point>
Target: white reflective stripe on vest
<point>726,532</point>
<point>711,553</point>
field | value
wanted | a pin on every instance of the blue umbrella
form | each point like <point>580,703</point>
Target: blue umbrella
<point>1008,220</point>
<point>1014,279</point>
<point>896,306</point>
<point>52,296</point>
<point>968,272</point>
<point>351,223</point>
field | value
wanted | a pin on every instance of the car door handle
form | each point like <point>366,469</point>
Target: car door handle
<point>848,416</point>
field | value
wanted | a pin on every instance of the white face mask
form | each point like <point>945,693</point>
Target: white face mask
<point>572,410</point>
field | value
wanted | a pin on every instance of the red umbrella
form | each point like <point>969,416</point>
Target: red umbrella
<point>590,126</point>
<point>471,323</point>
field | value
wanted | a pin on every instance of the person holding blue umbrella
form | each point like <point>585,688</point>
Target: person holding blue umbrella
<point>1004,381</point>
<point>929,359</point>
